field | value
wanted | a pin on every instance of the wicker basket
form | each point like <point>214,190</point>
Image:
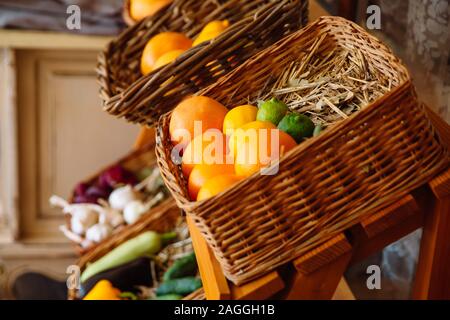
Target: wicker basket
<point>323,186</point>
<point>161,219</point>
<point>134,161</point>
<point>255,24</point>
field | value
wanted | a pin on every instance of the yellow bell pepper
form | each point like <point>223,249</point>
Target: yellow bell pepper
<point>103,290</point>
<point>211,31</point>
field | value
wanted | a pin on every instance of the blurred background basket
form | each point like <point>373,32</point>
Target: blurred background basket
<point>254,25</point>
<point>136,160</point>
<point>327,183</point>
<point>161,219</point>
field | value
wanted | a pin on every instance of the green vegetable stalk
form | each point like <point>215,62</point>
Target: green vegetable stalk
<point>147,243</point>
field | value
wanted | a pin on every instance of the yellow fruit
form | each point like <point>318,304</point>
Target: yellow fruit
<point>139,9</point>
<point>216,185</point>
<point>198,110</point>
<point>241,134</point>
<point>211,31</point>
<point>202,173</point>
<point>207,148</point>
<point>256,153</point>
<point>237,117</point>
<point>167,58</point>
<point>161,44</point>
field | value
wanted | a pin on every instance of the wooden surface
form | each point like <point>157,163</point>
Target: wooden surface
<point>9,149</point>
<point>30,39</point>
<point>316,10</point>
<point>64,136</point>
<point>391,216</point>
<point>433,269</point>
<point>145,136</point>
<point>214,283</point>
<point>260,289</point>
<point>320,284</point>
<point>432,279</point>
<point>323,255</point>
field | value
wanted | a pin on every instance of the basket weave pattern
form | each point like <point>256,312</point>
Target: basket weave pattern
<point>326,184</point>
<point>255,24</point>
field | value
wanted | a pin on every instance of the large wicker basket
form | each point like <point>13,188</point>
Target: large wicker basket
<point>161,219</point>
<point>255,24</point>
<point>133,161</point>
<point>323,186</point>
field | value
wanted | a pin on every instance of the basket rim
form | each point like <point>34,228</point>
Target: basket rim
<point>114,100</point>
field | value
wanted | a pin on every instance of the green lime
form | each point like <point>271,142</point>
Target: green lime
<point>272,110</point>
<point>297,125</point>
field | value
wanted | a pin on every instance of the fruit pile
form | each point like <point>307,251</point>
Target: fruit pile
<point>116,198</point>
<point>165,47</point>
<point>217,148</point>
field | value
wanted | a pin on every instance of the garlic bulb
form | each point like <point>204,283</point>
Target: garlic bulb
<point>133,211</point>
<point>120,197</point>
<point>98,232</point>
<point>83,215</point>
<point>111,217</point>
<point>77,226</point>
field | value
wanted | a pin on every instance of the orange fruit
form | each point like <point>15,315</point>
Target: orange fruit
<point>237,117</point>
<point>212,30</point>
<point>240,134</point>
<point>161,44</point>
<point>208,148</point>
<point>202,173</point>
<point>256,151</point>
<point>167,58</point>
<point>197,112</point>
<point>139,9</point>
<point>216,185</point>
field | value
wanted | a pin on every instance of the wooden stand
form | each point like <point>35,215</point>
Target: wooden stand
<point>316,274</point>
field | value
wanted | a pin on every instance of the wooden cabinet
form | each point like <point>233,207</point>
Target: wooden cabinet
<point>53,133</point>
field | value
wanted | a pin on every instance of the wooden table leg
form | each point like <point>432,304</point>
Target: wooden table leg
<point>145,136</point>
<point>433,270</point>
<point>317,273</point>
<point>214,282</point>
